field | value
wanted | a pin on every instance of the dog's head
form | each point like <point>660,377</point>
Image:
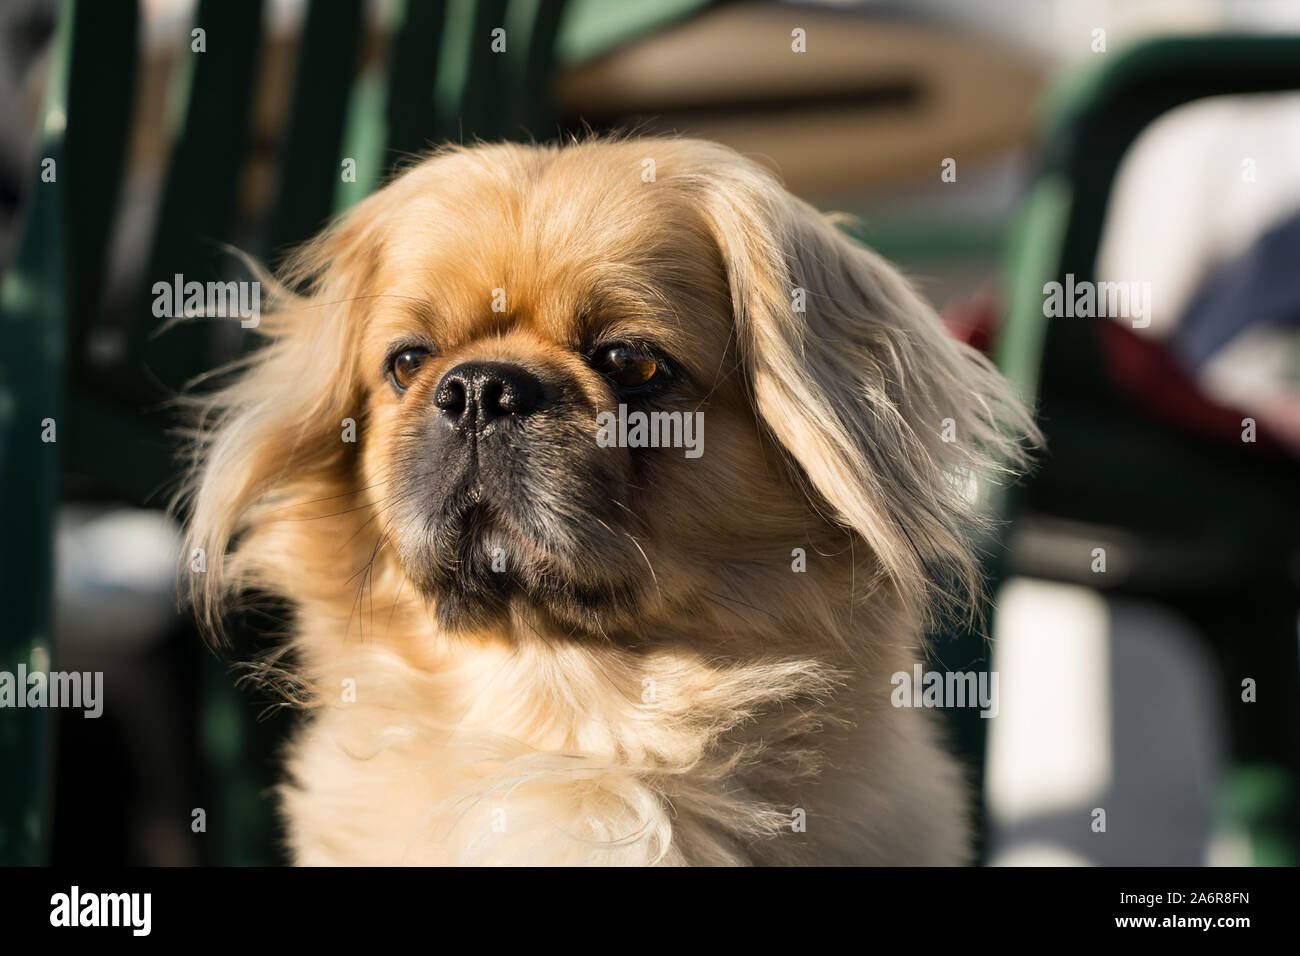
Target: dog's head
<point>596,384</point>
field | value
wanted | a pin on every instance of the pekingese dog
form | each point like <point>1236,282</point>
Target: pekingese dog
<point>610,485</point>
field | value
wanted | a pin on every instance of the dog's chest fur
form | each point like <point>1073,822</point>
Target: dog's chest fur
<point>493,754</point>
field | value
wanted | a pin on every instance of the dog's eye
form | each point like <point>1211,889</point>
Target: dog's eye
<point>405,364</point>
<point>627,366</point>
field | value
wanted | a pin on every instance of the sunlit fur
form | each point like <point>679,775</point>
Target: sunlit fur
<point>731,696</point>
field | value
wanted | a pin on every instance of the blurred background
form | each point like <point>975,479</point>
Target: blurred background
<point>1146,578</point>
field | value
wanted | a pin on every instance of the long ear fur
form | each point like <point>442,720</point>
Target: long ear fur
<point>857,386</point>
<point>277,425</point>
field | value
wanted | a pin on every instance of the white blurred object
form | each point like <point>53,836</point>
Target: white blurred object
<point>1107,703</point>
<point>1259,371</point>
<point>1181,206</point>
<point>1064,29</point>
<point>115,574</point>
<point>1039,854</point>
<point>1050,746</point>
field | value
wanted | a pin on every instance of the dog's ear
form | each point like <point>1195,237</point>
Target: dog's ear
<point>276,430</point>
<point>890,420</point>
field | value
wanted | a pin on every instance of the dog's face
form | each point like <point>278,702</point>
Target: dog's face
<point>515,311</point>
<point>597,396</point>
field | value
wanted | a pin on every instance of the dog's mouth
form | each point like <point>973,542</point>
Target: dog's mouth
<point>481,558</point>
<point>476,555</point>
<point>468,521</point>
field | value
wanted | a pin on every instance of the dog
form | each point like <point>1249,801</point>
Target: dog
<point>526,631</point>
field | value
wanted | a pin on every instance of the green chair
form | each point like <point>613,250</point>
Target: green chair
<point>1109,463</point>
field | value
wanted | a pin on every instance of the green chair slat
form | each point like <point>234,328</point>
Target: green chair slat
<point>102,74</point>
<point>200,194</point>
<point>593,28</point>
<point>470,78</point>
<point>309,160</point>
<point>364,133</point>
<point>100,95</point>
<point>390,111</point>
<point>533,28</point>
<point>446,84</point>
<point>33,306</point>
<point>413,72</point>
<point>1033,255</point>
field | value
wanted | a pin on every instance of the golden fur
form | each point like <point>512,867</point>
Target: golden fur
<point>708,692</point>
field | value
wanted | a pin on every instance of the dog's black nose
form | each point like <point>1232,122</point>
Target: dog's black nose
<point>474,394</point>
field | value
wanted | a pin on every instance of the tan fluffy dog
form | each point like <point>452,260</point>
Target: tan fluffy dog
<point>522,640</point>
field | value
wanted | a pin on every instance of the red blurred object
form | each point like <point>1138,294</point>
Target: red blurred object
<point>976,320</point>
<point>1143,371</point>
<point>1151,378</point>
